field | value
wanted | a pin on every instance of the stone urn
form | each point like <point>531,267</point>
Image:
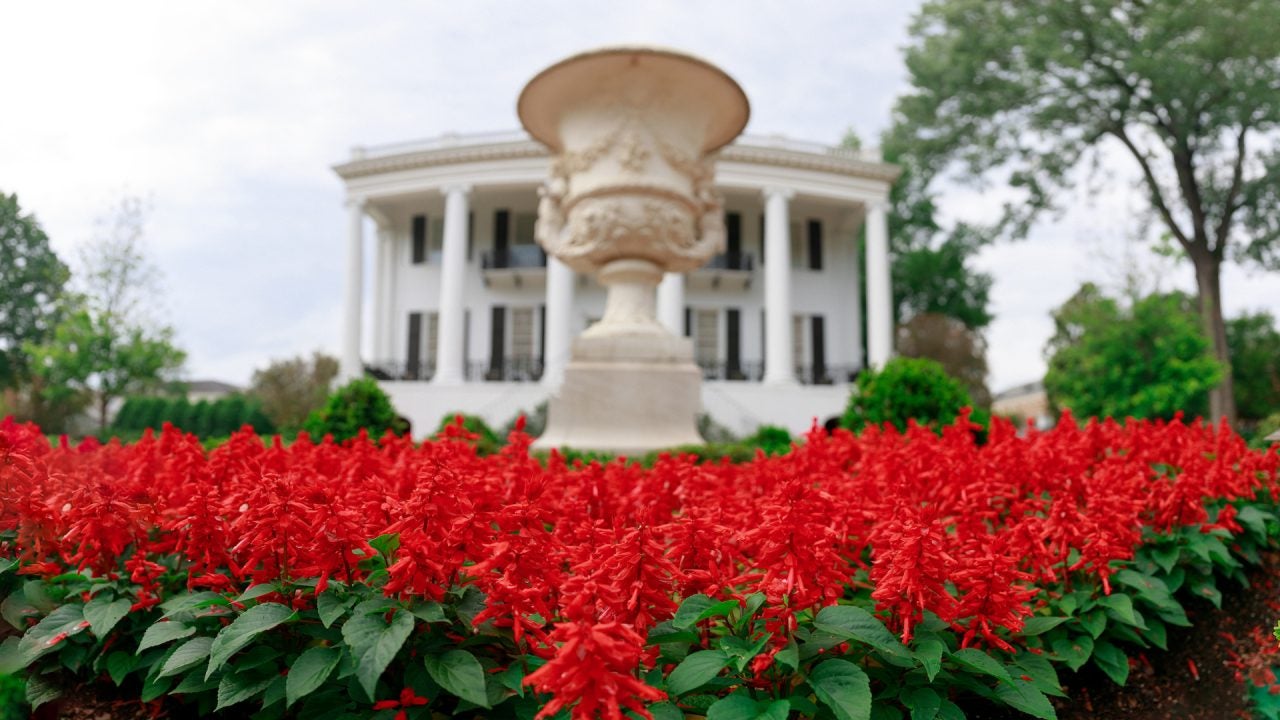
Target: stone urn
<point>633,133</point>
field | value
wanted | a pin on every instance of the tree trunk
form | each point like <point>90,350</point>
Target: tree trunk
<point>102,414</point>
<point>1222,401</point>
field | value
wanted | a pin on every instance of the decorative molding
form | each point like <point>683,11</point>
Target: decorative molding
<point>781,157</point>
<point>772,192</point>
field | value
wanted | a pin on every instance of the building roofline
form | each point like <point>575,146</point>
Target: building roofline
<point>457,149</point>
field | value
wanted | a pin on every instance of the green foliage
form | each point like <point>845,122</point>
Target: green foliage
<point>773,440</point>
<point>713,432</point>
<point>486,440</point>
<point>288,391</point>
<point>217,419</point>
<point>13,693</point>
<point>960,349</point>
<point>1025,92</point>
<point>31,281</point>
<point>1146,360</point>
<point>905,389</point>
<point>358,405</point>
<point>1255,365</point>
<point>534,422</point>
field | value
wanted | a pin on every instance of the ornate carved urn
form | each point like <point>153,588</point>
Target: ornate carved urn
<point>633,132</point>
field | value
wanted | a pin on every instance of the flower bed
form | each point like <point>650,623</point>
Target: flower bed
<point>884,573</point>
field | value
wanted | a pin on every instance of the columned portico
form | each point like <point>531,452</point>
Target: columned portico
<point>779,363</point>
<point>453,266</point>
<point>671,302</point>
<point>350,366</point>
<point>559,323</point>
<point>879,287</point>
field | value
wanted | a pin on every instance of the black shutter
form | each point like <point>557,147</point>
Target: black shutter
<point>501,237</point>
<point>542,337</point>
<point>471,236</point>
<point>818,346</point>
<point>733,338</point>
<point>413,360</point>
<point>762,238</point>
<point>419,239</point>
<point>466,344</point>
<point>815,244</point>
<point>497,340</point>
<point>733,236</point>
<point>764,344</point>
<point>688,321</point>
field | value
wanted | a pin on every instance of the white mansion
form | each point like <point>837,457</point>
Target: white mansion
<point>465,303</point>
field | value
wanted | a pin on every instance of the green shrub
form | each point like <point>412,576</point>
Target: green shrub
<point>905,389</point>
<point>713,432</point>
<point>487,442</point>
<point>360,404</point>
<point>773,440</point>
<point>1258,438</point>
<point>534,422</point>
<point>13,702</point>
<point>255,418</point>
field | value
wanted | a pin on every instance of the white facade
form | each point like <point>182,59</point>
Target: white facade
<point>468,317</point>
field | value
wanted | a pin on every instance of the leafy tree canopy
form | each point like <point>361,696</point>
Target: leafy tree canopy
<point>31,281</point>
<point>1255,365</point>
<point>290,390</point>
<point>1023,90</point>
<point>1147,359</point>
<point>961,350</point>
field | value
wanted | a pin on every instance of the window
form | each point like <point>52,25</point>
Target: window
<point>522,333</point>
<point>435,241</point>
<point>419,239</point>
<point>432,338</point>
<point>797,245</point>
<point>413,356</point>
<point>733,345</point>
<point>706,337</point>
<point>815,244</point>
<point>798,344</point>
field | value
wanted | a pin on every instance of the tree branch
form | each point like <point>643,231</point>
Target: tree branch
<point>1229,206</point>
<point>1157,197</point>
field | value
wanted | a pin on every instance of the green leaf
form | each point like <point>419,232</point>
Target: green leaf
<point>120,664</point>
<point>252,623</point>
<point>194,682</point>
<point>164,631</point>
<point>950,711</point>
<point>1121,607</point>
<point>256,591</point>
<point>192,601</point>
<point>1149,588</point>
<point>923,703</point>
<point>740,706</point>
<point>1157,634</point>
<point>1166,556</point>
<point>7,564</point>
<point>1205,587</point>
<point>309,672</point>
<point>1041,672</point>
<point>665,711</point>
<point>188,655</point>
<point>843,687</point>
<point>854,623</point>
<point>1022,695</point>
<point>1112,661</point>
<point>386,544</point>
<point>789,656</point>
<point>40,691</point>
<point>236,688</point>
<point>458,672</point>
<point>10,658</point>
<point>689,610</point>
<point>1095,621</point>
<point>695,671</point>
<point>104,614</point>
<point>374,643</point>
<point>155,686</point>
<point>330,607</point>
<point>1074,651</point>
<point>929,652</point>
<point>981,663</point>
<point>1040,624</point>
<point>49,633</point>
<point>429,611</point>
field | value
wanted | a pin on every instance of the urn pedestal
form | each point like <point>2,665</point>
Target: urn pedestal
<point>633,132</point>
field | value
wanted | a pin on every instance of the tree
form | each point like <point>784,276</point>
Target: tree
<point>1255,365</point>
<point>107,344</point>
<point>290,390</point>
<point>1147,359</point>
<point>1030,89</point>
<point>961,350</point>
<point>31,281</point>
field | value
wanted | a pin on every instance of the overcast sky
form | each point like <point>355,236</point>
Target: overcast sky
<point>228,116</point>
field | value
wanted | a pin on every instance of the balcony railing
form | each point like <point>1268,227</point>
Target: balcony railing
<point>740,261</point>
<point>511,258</point>
<point>510,369</point>
<point>391,370</point>
<point>754,372</point>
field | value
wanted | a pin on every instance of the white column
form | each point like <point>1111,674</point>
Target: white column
<point>380,261</point>
<point>779,365</point>
<point>853,346</point>
<point>350,366</point>
<point>879,289</point>
<point>671,303</point>
<point>559,332</point>
<point>453,267</point>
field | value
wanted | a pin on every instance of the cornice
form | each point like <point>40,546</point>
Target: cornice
<point>523,149</point>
